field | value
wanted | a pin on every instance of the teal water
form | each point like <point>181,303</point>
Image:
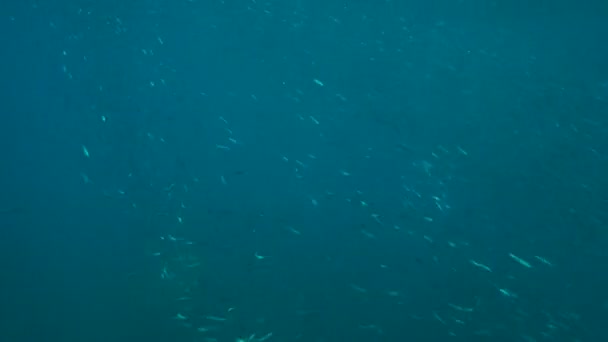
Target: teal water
<point>303,171</point>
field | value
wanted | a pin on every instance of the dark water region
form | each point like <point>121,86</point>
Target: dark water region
<point>303,171</point>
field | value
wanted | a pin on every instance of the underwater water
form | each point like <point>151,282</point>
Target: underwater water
<point>247,170</point>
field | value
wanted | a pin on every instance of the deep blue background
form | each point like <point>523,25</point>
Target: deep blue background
<point>522,87</point>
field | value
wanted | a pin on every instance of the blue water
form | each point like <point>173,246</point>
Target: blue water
<point>322,171</point>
